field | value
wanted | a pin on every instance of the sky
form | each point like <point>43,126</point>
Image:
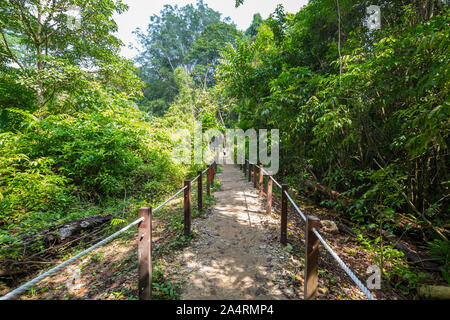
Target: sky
<point>139,12</point>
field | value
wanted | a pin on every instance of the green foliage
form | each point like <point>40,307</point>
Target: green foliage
<point>60,162</point>
<point>364,113</point>
<point>252,31</point>
<point>73,143</point>
<point>206,48</point>
<point>39,46</point>
<point>238,2</point>
<point>393,265</point>
<point>376,130</point>
<point>189,37</point>
<point>163,289</point>
<point>12,95</point>
<point>441,250</point>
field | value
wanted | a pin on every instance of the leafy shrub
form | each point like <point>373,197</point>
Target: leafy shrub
<point>57,166</point>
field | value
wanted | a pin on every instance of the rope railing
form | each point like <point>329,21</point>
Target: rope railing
<point>344,266</point>
<point>198,176</point>
<point>195,179</point>
<point>313,236</point>
<point>144,222</point>
<point>276,182</point>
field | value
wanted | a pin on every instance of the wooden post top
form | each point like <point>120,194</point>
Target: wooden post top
<point>313,222</point>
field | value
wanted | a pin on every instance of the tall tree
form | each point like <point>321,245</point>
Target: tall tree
<point>363,112</point>
<point>40,40</point>
<point>252,31</point>
<point>188,37</point>
<point>206,49</point>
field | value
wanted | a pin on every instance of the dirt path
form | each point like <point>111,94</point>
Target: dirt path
<point>237,254</point>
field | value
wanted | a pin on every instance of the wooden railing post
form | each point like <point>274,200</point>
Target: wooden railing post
<point>269,194</point>
<point>187,208</point>
<point>261,180</point>
<point>249,172</point>
<point>284,213</point>
<point>255,176</point>
<point>312,257</point>
<point>200,190</point>
<point>245,167</point>
<point>145,253</point>
<point>212,173</point>
<point>208,182</point>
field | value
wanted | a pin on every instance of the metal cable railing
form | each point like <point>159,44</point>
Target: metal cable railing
<point>196,178</point>
<point>271,177</point>
<point>344,266</point>
<point>276,182</point>
<point>320,238</point>
<point>36,280</point>
<point>295,206</point>
<point>172,197</point>
<point>14,293</point>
